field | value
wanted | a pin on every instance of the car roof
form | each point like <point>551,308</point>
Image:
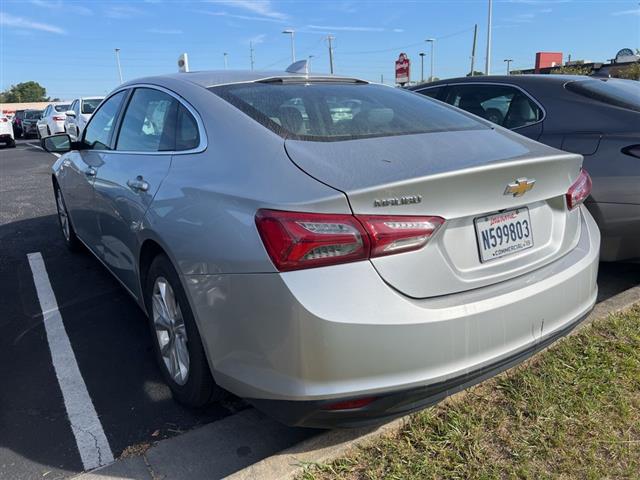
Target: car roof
<point>214,78</point>
<point>528,79</point>
<point>98,97</point>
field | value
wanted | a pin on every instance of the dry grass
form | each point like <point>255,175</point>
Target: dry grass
<point>571,412</point>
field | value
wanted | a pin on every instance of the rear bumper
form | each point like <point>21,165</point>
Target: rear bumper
<point>294,342</point>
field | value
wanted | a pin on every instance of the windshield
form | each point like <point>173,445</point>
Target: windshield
<point>61,108</point>
<point>33,115</point>
<point>89,105</point>
<point>621,93</point>
<point>342,111</point>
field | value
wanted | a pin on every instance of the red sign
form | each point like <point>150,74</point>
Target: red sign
<point>403,65</point>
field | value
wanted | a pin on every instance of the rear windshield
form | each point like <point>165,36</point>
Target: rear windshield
<point>621,93</point>
<point>342,111</point>
<point>90,105</point>
<point>33,115</point>
<point>61,108</point>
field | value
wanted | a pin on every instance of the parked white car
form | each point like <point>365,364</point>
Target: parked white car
<point>79,114</point>
<point>6,132</point>
<point>52,120</point>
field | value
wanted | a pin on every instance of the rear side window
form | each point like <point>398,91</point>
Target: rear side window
<point>148,124</point>
<point>187,135</point>
<point>620,93</point>
<point>321,111</point>
<point>89,105</point>
<point>504,105</point>
<point>433,92</point>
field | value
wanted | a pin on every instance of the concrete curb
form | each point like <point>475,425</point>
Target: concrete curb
<point>337,443</point>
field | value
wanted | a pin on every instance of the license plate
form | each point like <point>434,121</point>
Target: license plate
<point>503,233</point>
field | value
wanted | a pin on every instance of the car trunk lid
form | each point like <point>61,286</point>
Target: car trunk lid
<point>462,177</point>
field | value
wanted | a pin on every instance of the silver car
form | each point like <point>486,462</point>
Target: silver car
<point>331,269</point>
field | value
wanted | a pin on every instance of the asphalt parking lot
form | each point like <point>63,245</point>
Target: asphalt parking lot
<point>108,336</point>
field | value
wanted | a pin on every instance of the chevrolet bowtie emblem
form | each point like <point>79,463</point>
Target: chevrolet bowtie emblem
<point>520,187</point>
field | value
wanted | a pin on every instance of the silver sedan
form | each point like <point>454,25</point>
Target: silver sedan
<point>334,251</point>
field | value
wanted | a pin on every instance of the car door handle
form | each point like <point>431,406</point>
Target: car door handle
<point>138,185</point>
<point>90,172</point>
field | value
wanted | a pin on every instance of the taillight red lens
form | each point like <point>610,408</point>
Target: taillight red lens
<point>396,234</point>
<point>58,118</point>
<point>579,191</point>
<point>296,240</point>
<point>302,240</point>
<point>3,120</point>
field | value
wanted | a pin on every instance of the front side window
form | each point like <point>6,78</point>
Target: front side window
<point>504,105</point>
<point>89,105</point>
<point>148,124</point>
<point>323,111</point>
<point>98,131</point>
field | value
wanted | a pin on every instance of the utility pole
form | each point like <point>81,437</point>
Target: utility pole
<point>118,64</point>
<point>508,61</point>
<point>422,54</point>
<point>382,78</point>
<point>487,66</point>
<point>292,32</point>
<point>309,63</point>
<point>431,41</point>
<point>251,57</point>
<point>473,49</point>
<point>226,64</point>
<point>330,39</point>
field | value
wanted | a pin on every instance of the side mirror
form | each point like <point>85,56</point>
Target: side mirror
<point>57,143</point>
<point>70,113</point>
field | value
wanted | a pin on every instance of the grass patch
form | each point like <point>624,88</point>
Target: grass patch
<point>570,412</point>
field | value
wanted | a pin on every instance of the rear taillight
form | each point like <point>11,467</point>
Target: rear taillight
<point>579,191</point>
<point>58,118</point>
<point>3,120</point>
<point>633,150</point>
<point>296,240</point>
<point>395,234</point>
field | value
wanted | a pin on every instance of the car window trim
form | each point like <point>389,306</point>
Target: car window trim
<point>499,84</point>
<point>202,146</point>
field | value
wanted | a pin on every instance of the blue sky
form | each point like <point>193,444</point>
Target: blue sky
<point>68,45</point>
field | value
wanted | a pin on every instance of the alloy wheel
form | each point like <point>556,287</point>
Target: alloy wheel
<point>63,216</point>
<point>171,333</point>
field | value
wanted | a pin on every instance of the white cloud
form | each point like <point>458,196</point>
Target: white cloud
<point>263,8</point>
<point>59,5</point>
<point>122,11</point>
<point>635,11</point>
<point>11,21</point>
<point>165,31</point>
<point>353,28</point>
<point>239,17</point>
<point>257,39</point>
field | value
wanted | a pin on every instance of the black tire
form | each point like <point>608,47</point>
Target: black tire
<point>48,131</point>
<point>71,241</point>
<point>11,144</point>
<point>199,389</point>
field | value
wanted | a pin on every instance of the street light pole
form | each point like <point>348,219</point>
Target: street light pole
<point>330,39</point>
<point>432,41</point>
<point>118,64</point>
<point>508,61</point>
<point>251,55</point>
<point>290,31</point>
<point>422,54</point>
<point>487,66</point>
<point>226,64</point>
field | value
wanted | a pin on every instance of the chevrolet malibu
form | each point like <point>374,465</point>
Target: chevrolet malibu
<point>331,268</point>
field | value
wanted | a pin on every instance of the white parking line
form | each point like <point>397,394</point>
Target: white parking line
<point>92,443</point>
<point>57,155</point>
